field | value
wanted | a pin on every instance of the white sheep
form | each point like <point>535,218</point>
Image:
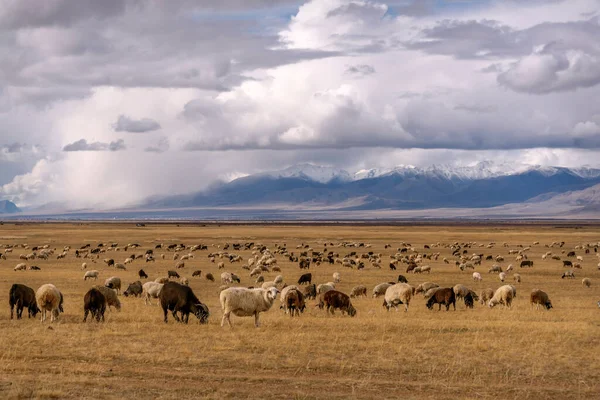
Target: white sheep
<point>502,276</point>
<point>587,282</point>
<point>397,294</point>
<point>509,268</point>
<point>503,295</point>
<point>477,277</point>
<point>460,291</point>
<point>84,266</point>
<point>424,287</point>
<point>21,267</point>
<point>284,292</point>
<point>517,278</point>
<point>114,282</point>
<point>244,302</point>
<point>151,290</point>
<point>49,298</point>
<point>379,290</point>
<point>111,297</point>
<point>336,277</point>
<point>325,287</point>
<point>91,274</point>
<point>227,278</point>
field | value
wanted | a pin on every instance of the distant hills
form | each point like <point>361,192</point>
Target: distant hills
<point>8,207</point>
<point>308,186</point>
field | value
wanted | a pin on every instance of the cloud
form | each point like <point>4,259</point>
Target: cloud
<point>83,145</point>
<point>361,70</point>
<point>162,146</point>
<point>126,124</point>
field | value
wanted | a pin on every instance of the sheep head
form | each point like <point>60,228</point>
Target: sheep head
<point>272,293</point>
<point>201,312</point>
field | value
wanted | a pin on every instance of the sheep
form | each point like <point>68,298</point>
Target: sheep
<point>324,287</point>
<point>485,295</point>
<point>209,277</point>
<point>517,278</point>
<point>120,266</point>
<point>111,297</point>
<point>283,296</point>
<point>91,274</point>
<point>128,261</point>
<point>336,277</point>
<point>334,299</point>
<point>538,298</point>
<point>227,278</point>
<point>460,291</point>
<point>424,287</point>
<point>221,265</point>
<point>397,294</point>
<point>477,277</point>
<point>509,268</point>
<point>83,266</point>
<point>162,280</point>
<point>184,281</point>
<point>495,269</point>
<point>180,264</point>
<point>49,298</point>
<point>21,267</point>
<point>502,276</point>
<point>94,302</point>
<point>379,290</point>
<point>359,290</point>
<point>293,301</point>
<point>503,295</point>
<point>424,268</point>
<point>151,290</point>
<point>568,274</point>
<point>430,292</point>
<point>445,296</point>
<point>587,282</point>
<point>114,282</point>
<point>244,302</point>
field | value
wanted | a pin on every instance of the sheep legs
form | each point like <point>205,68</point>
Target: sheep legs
<point>256,322</point>
<point>226,318</point>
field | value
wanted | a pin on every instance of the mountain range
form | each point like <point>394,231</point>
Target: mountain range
<point>8,207</point>
<point>404,187</point>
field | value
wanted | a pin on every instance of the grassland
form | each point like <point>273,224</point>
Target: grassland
<point>480,353</point>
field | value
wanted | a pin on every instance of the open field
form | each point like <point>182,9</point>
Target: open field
<point>520,353</point>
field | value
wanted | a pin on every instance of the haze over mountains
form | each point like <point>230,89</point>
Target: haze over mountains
<point>308,186</point>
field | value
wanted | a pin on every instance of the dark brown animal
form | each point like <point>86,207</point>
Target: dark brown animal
<point>134,289</point>
<point>294,302</point>
<point>310,292</point>
<point>526,263</point>
<point>411,266</point>
<point>94,302</point>
<point>469,301</point>
<point>142,274</point>
<point>334,299</point>
<point>21,296</point>
<point>172,274</point>
<point>176,298</point>
<point>305,278</point>
<point>304,263</point>
<point>209,277</point>
<point>197,273</point>
<point>567,263</point>
<point>402,279</point>
<point>392,267</point>
<point>443,296</point>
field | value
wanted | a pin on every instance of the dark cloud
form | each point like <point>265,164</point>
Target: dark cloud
<point>83,145</point>
<point>126,124</point>
<point>361,69</point>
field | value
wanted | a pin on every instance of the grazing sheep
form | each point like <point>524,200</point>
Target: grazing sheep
<point>495,269</point>
<point>502,276</point>
<point>402,279</point>
<point>21,267</point>
<point>587,282</point>
<point>379,290</point>
<point>121,266</point>
<point>49,298</point>
<point>134,289</point>
<point>172,274</point>
<point>91,274</point>
<point>221,265</point>
<point>114,282</point>
<point>336,277</point>
<point>111,297</point>
<point>294,302</point>
<point>503,295</point>
<point>486,295</point>
<point>162,280</point>
<point>197,273</point>
<point>397,294</point>
<point>324,287</point>
<point>477,277</point>
<point>180,265</point>
<point>310,292</point>
<point>151,290</point>
<point>517,278</point>
<point>84,266</point>
<point>180,298</point>
<point>334,299</point>
<point>424,287</point>
<point>94,302</point>
<point>509,268</point>
<point>227,278</point>
<point>22,296</point>
<point>470,299</point>
<point>305,278</point>
<point>244,302</point>
<point>538,298</point>
<point>460,291</point>
<point>430,292</point>
<point>142,274</point>
<point>568,274</point>
<point>359,290</point>
<point>445,296</point>
<point>209,277</point>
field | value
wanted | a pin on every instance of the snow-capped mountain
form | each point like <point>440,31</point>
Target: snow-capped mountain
<point>403,187</point>
<point>311,172</point>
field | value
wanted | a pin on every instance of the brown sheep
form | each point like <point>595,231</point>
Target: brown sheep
<point>538,298</point>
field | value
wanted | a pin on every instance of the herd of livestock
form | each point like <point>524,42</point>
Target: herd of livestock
<point>175,295</point>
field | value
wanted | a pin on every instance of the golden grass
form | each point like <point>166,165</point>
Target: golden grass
<point>481,353</point>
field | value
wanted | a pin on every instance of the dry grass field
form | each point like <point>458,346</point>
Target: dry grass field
<point>520,353</point>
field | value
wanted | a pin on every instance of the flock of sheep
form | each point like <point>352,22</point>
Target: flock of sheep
<point>173,292</point>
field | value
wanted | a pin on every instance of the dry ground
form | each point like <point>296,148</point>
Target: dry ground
<point>481,353</point>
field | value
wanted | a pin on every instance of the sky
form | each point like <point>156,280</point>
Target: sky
<point>106,103</point>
